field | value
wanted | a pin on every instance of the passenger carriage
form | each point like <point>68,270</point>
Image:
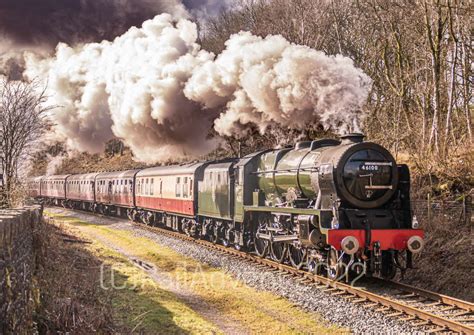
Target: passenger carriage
<point>115,192</point>
<point>34,186</point>
<point>53,188</point>
<point>164,190</point>
<point>80,190</point>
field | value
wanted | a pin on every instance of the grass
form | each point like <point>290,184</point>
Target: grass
<point>259,312</point>
<point>138,304</point>
<point>141,305</point>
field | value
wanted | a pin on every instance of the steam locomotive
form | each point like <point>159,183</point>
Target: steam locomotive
<point>340,208</point>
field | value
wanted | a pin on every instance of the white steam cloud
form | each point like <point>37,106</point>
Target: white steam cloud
<point>156,89</point>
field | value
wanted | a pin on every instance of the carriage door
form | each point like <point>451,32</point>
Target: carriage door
<point>109,192</point>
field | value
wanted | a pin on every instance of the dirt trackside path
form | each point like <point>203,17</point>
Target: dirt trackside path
<point>210,301</point>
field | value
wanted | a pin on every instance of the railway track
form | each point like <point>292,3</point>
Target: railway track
<point>429,311</point>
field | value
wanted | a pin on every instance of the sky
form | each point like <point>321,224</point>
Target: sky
<point>39,25</point>
<point>42,24</point>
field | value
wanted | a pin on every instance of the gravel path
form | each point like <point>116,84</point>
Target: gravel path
<point>334,309</point>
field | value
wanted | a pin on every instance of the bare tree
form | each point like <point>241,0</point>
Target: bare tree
<point>23,119</point>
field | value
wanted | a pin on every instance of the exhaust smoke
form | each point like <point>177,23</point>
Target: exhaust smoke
<point>157,90</point>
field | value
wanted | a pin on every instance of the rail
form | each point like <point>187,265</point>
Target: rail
<point>430,310</point>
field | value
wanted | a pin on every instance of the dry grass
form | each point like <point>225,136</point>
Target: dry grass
<point>260,312</point>
<point>66,291</point>
<point>445,264</point>
<point>140,305</point>
<point>75,291</point>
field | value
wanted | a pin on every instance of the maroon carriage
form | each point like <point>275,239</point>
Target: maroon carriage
<point>114,191</point>
<point>53,188</point>
<point>34,187</point>
<point>80,190</point>
<point>168,190</point>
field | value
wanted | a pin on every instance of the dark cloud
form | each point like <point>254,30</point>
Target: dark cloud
<point>207,8</point>
<point>44,23</point>
<point>39,25</point>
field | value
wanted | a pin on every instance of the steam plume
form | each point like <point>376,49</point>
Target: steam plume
<point>155,88</point>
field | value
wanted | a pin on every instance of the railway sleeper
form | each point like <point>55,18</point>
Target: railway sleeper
<point>446,309</point>
<point>420,323</point>
<point>395,314</point>
<point>466,320</point>
<point>383,309</point>
<point>436,330</point>
<point>461,313</point>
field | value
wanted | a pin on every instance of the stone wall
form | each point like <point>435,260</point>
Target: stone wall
<point>17,265</point>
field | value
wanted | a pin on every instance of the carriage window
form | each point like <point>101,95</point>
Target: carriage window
<point>185,187</point>
<point>178,187</point>
<point>152,180</point>
<point>161,187</point>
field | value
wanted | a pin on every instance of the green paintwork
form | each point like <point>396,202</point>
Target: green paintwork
<point>246,182</point>
<point>290,210</point>
<point>284,170</point>
<point>215,192</point>
<point>239,201</point>
<point>266,180</point>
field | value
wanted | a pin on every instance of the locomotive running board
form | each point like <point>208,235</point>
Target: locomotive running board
<point>287,210</point>
<point>278,238</point>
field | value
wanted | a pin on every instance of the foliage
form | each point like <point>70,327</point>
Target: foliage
<point>23,119</point>
<point>417,53</point>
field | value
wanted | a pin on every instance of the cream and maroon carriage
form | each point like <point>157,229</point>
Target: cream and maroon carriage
<point>53,189</point>
<point>114,192</point>
<point>80,191</point>
<point>168,194</point>
<point>34,187</point>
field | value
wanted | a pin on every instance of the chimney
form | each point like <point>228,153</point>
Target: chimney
<point>352,138</point>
